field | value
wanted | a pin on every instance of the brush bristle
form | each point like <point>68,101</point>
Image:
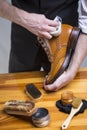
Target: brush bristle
<point>76,102</point>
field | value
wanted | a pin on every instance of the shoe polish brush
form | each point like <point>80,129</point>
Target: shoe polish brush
<point>76,105</point>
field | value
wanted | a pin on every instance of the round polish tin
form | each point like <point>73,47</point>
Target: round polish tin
<point>41,118</point>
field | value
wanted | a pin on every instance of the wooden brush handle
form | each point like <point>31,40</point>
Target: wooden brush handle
<point>67,121</point>
<point>72,113</point>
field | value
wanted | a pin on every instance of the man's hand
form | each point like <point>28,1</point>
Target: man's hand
<point>39,25</point>
<point>62,81</point>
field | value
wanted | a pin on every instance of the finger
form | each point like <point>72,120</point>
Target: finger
<point>50,87</point>
<point>52,22</point>
<point>58,84</point>
<point>50,28</point>
<point>46,35</point>
<point>45,31</point>
<point>47,28</point>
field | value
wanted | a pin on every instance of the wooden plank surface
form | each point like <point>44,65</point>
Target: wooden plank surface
<point>12,87</point>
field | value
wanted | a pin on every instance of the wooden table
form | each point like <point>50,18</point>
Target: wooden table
<point>12,86</point>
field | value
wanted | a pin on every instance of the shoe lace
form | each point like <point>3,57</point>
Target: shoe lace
<point>45,44</point>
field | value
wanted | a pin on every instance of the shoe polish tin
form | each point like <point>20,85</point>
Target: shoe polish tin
<point>41,118</point>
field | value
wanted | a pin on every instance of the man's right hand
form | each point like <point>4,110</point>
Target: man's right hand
<point>39,25</point>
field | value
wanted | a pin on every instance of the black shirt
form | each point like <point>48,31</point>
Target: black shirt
<point>67,9</point>
<point>23,42</point>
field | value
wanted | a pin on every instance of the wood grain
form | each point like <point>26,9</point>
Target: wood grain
<point>12,87</point>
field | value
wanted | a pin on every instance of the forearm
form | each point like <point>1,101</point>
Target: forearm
<point>81,48</point>
<point>16,15</point>
<point>11,13</point>
<point>35,23</point>
<point>79,54</point>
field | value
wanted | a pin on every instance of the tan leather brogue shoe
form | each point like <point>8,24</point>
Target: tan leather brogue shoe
<point>60,50</point>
